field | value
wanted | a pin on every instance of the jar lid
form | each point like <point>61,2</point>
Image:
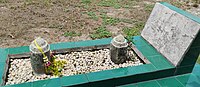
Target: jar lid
<point>42,43</point>
<point>119,41</point>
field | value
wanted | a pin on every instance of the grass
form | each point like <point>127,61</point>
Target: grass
<point>47,2</point>
<point>101,32</point>
<point>27,2</point>
<point>109,20</point>
<point>86,1</point>
<point>198,60</point>
<point>92,15</point>
<point>3,1</point>
<point>126,6</point>
<point>117,4</point>
<point>129,3</point>
<point>71,34</point>
<point>148,7</point>
<point>133,31</point>
<point>110,3</point>
<point>130,21</point>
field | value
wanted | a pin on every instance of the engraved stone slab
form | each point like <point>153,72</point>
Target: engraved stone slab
<point>170,32</point>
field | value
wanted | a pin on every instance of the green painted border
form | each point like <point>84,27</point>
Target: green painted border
<point>96,77</point>
<point>185,80</point>
<point>182,12</point>
<point>3,58</point>
<point>62,45</point>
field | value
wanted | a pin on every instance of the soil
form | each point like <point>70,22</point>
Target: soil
<point>21,21</point>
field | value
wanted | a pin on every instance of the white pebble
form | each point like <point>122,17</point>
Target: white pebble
<point>78,62</point>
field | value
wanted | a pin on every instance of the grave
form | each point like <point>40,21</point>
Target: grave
<point>170,42</point>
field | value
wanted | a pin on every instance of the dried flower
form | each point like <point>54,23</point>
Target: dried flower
<point>48,63</point>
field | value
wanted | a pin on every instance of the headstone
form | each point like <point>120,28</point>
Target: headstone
<point>170,32</point>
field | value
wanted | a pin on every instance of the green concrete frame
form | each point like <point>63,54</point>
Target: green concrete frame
<point>118,76</point>
<point>185,80</point>
<point>159,67</point>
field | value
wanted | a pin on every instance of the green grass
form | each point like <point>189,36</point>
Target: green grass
<point>28,2</point>
<point>86,1</point>
<point>198,60</point>
<point>126,6</point>
<point>109,20</point>
<point>133,31</point>
<point>129,3</point>
<point>71,34</point>
<point>3,1</point>
<point>109,3</point>
<point>148,7</point>
<point>118,3</point>
<point>92,15</point>
<point>130,21</point>
<point>101,32</point>
<point>47,2</point>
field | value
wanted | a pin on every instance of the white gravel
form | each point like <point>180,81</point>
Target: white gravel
<point>78,63</point>
<point>195,11</point>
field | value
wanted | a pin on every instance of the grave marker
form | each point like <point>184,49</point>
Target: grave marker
<point>172,33</point>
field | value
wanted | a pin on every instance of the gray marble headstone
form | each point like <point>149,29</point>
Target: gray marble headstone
<point>170,32</point>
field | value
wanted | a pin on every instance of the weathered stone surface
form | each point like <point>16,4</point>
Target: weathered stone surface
<point>170,32</point>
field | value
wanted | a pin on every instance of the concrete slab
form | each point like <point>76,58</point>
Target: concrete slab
<point>170,32</point>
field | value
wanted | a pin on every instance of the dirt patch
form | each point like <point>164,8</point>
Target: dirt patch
<point>23,20</point>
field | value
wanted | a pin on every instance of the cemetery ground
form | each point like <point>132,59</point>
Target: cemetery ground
<point>80,20</point>
<point>74,20</point>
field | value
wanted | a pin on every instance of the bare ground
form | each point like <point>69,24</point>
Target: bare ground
<point>21,21</point>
